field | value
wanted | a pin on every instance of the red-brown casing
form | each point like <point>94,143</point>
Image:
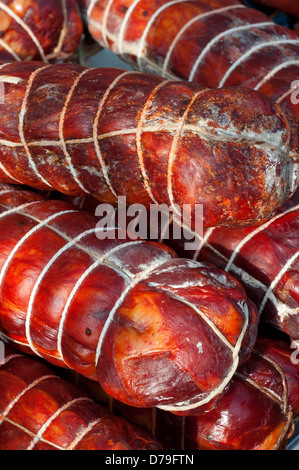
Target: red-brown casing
<point>39,30</point>
<point>255,413</point>
<point>41,411</point>
<point>213,42</point>
<point>153,329</point>
<point>109,133</point>
<point>265,259</point>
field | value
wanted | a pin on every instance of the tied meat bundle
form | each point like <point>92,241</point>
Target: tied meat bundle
<point>153,329</point>
<point>110,133</point>
<point>286,357</point>
<point>216,43</point>
<point>258,409</point>
<point>114,310</point>
<point>265,259</point>
<point>39,30</point>
<point>41,411</point>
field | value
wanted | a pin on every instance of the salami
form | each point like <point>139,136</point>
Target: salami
<point>215,43</point>
<point>114,310</point>
<point>108,133</point>
<point>37,30</point>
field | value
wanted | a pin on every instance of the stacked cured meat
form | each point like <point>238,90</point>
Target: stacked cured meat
<point>41,411</point>
<point>113,310</point>
<point>266,381</point>
<point>111,133</point>
<point>268,268</point>
<point>257,411</point>
<point>152,329</point>
<point>213,42</point>
<point>39,30</point>
<point>263,258</point>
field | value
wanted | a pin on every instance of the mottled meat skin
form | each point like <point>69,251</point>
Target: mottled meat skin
<point>265,259</point>
<point>39,30</point>
<point>109,133</point>
<point>152,328</point>
<point>255,412</point>
<point>212,42</point>
<point>41,411</point>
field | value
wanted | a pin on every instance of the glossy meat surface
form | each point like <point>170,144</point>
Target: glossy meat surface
<point>41,411</point>
<point>254,413</point>
<point>110,133</point>
<point>213,42</point>
<point>257,412</point>
<point>39,30</point>
<point>114,310</point>
<point>266,261</point>
<point>286,356</point>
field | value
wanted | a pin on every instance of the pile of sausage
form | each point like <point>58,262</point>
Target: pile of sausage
<point>205,341</point>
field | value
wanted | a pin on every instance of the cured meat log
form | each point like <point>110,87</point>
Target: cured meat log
<point>254,413</point>
<point>286,357</point>
<point>257,411</point>
<point>151,328</point>
<point>265,259</point>
<point>41,411</point>
<point>109,133</point>
<point>213,42</point>
<point>39,30</point>
<point>166,427</point>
